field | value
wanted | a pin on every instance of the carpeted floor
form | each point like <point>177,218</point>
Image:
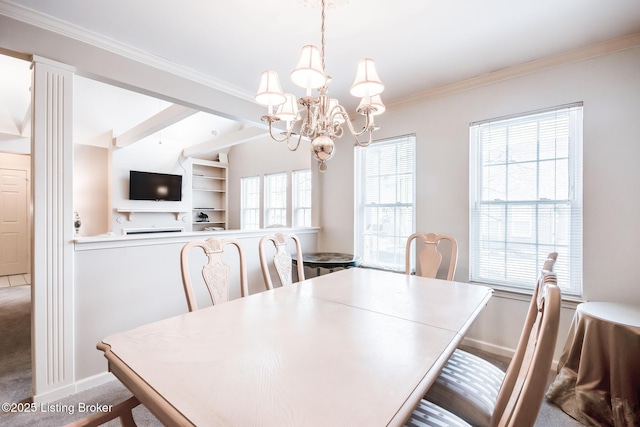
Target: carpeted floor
<point>15,343</point>
<point>15,376</point>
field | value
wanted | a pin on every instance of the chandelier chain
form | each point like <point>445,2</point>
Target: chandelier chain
<point>322,33</point>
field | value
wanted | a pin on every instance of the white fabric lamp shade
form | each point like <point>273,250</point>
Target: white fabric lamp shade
<point>269,91</point>
<point>309,73</point>
<point>288,111</point>
<point>367,83</point>
<point>372,101</point>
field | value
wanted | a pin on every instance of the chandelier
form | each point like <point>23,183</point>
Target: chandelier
<point>319,118</point>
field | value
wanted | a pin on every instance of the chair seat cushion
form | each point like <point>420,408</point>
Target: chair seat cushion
<point>468,386</point>
<point>428,414</point>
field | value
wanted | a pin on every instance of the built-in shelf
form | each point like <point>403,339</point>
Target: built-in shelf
<point>208,177</point>
<point>130,212</point>
<point>212,191</point>
<point>209,188</point>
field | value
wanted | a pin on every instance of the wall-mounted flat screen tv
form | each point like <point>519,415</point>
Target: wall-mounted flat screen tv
<point>154,186</point>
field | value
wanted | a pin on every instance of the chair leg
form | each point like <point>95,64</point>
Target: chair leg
<point>126,417</point>
<point>122,410</point>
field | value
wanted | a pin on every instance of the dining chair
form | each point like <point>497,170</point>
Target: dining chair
<point>430,258</point>
<point>216,272</point>
<point>122,411</point>
<point>470,386</point>
<point>281,259</point>
<point>522,390</point>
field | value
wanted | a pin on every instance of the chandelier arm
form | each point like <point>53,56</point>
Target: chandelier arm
<point>294,148</point>
<point>368,126</point>
<point>275,138</point>
<point>364,144</point>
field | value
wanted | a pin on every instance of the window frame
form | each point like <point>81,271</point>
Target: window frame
<point>563,227</point>
<point>271,202</point>
<point>244,210</point>
<point>300,208</point>
<point>396,243</point>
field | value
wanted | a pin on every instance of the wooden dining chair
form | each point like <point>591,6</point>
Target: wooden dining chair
<point>281,259</point>
<point>470,386</point>
<point>430,258</point>
<point>216,272</point>
<point>522,390</point>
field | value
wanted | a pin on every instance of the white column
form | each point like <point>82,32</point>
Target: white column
<point>52,272</point>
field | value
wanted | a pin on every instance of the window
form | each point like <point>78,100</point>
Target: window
<point>526,198</point>
<point>385,201</point>
<point>275,199</point>
<point>250,201</point>
<point>302,198</point>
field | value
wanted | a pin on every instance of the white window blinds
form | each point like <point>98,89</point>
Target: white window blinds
<point>250,203</point>
<point>526,198</point>
<point>275,199</point>
<point>302,198</point>
<point>385,201</point>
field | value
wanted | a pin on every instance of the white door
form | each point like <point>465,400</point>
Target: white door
<point>13,222</point>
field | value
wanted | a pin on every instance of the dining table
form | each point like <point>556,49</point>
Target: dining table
<point>358,347</point>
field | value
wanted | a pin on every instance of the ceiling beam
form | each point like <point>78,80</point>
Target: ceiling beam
<point>153,124</point>
<point>25,128</point>
<point>8,126</point>
<point>225,141</point>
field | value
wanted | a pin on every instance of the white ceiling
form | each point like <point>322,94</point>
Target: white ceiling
<point>418,45</point>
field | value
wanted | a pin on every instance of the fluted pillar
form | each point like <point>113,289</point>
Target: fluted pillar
<point>52,269</point>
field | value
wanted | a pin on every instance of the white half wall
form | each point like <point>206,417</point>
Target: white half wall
<point>123,282</point>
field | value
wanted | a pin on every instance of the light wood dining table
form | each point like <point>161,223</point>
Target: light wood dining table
<point>358,347</point>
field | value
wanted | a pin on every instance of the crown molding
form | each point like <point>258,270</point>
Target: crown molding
<point>66,29</point>
<point>599,49</point>
<point>49,23</point>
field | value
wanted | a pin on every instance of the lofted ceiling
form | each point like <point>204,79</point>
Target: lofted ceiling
<point>418,45</point>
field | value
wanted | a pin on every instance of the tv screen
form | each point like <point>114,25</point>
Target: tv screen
<point>154,186</point>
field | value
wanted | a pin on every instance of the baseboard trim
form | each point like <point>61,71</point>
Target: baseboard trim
<point>76,387</point>
<point>94,381</point>
<point>53,395</point>
<point>498,350</point>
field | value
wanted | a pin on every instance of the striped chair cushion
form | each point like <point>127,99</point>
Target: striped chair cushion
<point>427,414</point>
<point>468,386</point>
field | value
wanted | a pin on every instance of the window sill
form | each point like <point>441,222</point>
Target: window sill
<point>568,301</point>
<point>517,294</point>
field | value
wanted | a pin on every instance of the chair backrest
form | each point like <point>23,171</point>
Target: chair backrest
<point>430,258</point>
<point>282,259</point>
<point>216,272</point>
<point>523,388</point>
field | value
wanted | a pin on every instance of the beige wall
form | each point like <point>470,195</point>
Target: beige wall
<point>609,86</point>
<point>258,158</point>
<point>91,189</point>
